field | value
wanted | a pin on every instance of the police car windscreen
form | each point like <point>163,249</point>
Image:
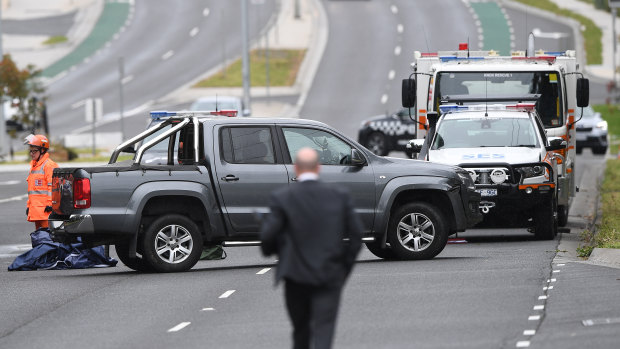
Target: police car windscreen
<point>475,133</point>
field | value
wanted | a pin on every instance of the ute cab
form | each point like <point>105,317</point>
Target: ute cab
<point>509,157</point>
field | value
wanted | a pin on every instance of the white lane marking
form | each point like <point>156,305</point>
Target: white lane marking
<point>78,104</point>
<point>10,182</point>
<point>539,307</point>
<point>127,79</point>
<point>556,271</point>
<point>550,288</point>
<point>179,327</point>
<point>560,265</point>
<point>227,294</point>
<point>394,9</point>
<point>194,31</point>
<point>400,28</point>
<point>542,297</point>
<point>397,50</point>
<point>534,318</point>
<point>384,99</point>
<point>551,280</point>
<point>7,251</point>
<point>14,198</point>
<point>523,344</point>
<point>206,12</point>
<point>167,55</point>
<point>263,271</point>
<point>529,332</point>
<point>391,75</point>
<point>207,309</point>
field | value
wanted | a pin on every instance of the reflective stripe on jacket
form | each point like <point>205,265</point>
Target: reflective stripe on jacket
<point>40,188</point>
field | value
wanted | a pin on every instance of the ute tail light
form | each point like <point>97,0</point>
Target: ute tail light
<point>81,193</point>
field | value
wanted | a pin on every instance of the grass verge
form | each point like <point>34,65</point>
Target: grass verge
<point>283,68</point>
<point>591,33</point>
<point>608,233</point>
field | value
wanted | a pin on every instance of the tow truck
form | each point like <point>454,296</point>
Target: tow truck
<point>550,80</point>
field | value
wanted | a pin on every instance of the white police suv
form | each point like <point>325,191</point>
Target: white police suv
<point>508,156</point>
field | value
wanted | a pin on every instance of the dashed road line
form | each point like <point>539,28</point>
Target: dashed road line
<point>384,99</point>
<point>14,198</point>
<point>394,9</point>
<point>206,12</point>
<point>207,309</point>
<point>391,75</point>
<point>523,344</point>
<point>529,332</point>
<point>397,50</point>
<point>263,271</point>
<point>400,28</point>
<point>167,55</point>
<point>179,327</point>
<point>227,294</point>
<point>194,31</point>
<point>533,318</point>
<point>539,307</point>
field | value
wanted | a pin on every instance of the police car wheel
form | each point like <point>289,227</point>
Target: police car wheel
<point>172,243</point>
<point>578,150</point>
<point>376,249</point>
<point>562,215</point>
<point>417,231</point>
<point>135,263</point>
<point>377,144</point>
<point>546,222</point>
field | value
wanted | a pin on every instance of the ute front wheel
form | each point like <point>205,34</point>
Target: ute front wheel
<point>417,231</point>
<point>546,222</point>
<point>376,249</point>
<point>172,243</point>
<point>135,263</point>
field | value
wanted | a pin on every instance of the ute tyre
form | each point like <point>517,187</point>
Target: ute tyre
<point>135,263</point>
<point>578,150</point>
<point>376,249</point>
<point>599,150</point>
<point>377,144</point>
<point>562,215</point>
<point>172,243</point>
<point>546,222</point>
<point>417,231</point>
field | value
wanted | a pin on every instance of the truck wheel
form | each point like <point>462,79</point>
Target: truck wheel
<point>375,248</point>
<point>377,144</point>
<point>417,231</point>
<point>546,223</point>
<point>562,215</point>
<point>172,243</point>
<point>135,263</point>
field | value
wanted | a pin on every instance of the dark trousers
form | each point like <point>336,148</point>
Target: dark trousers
<point>313,311</point>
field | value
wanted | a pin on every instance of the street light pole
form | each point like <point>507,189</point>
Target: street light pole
<point>121,71</point>
<point>245,69</point>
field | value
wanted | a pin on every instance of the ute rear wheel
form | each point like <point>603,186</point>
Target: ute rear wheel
<point>172,243</point>
<point>417,231</point>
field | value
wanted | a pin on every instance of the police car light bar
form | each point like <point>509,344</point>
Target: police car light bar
<point>160,114</point>
<point>449,108</point>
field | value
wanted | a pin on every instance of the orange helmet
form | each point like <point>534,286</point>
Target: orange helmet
<point>39,141</point>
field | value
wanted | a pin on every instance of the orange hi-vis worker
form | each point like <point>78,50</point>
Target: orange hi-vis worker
<point>39,204</point>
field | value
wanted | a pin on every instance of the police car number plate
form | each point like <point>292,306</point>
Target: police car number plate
<point>487,192</point>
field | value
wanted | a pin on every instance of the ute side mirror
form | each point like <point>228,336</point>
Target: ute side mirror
<point>556,143</point>
<point>583,92</point>
<point>432,117</point>
<point>408,93</point>
<point>357,159</point>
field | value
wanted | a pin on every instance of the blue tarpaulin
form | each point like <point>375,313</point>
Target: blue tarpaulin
<point>47,254</point>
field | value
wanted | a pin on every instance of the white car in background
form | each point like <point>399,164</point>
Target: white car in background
<point>212,103</point>
<point>591,131</point>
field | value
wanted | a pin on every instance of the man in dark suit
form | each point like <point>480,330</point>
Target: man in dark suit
<point>316,234</point>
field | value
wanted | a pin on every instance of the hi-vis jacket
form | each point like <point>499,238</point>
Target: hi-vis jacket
<point>40,188</point>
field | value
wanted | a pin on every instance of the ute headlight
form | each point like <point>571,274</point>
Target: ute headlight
<point>498,176</point>
<point>466,180</point>
<point>531,171</point>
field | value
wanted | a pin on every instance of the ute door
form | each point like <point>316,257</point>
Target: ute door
<point>248,170</point>
<point>334,154</point>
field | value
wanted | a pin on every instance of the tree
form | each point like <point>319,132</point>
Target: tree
<point>22,88</point>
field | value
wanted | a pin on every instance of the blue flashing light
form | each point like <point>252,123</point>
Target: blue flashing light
<point>454,58</point>
<point>555,53</point>
<point>451,108</point>
<point>158,114</point>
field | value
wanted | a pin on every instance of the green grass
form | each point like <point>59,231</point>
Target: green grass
<point>283,68</point>
<point>55,40</point>
<point>591,34</point>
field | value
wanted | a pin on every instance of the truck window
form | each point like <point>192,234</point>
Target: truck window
<point>247,145</point>
<point>332,150</point>
<point>505,87</point>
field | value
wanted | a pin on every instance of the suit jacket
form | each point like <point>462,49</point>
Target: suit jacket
<point>306,227</point>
